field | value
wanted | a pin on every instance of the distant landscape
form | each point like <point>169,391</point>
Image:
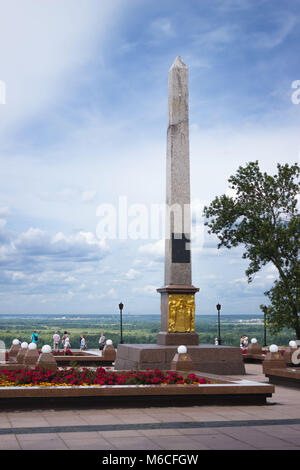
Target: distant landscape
<point>136,328</point>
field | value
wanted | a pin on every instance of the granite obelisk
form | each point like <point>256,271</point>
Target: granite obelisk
<point>178,293</point>
<point>177,296</point>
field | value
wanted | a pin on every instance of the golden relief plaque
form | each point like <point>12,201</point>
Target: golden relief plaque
<point>181,313</point>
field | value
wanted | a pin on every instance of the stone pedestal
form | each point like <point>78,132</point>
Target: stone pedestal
<point>47,361</point>
<point>273,360</point>
<point>21,355</point>
<point>31,358</point>
<point>13,352</point>
<point>254,348</point>
<point>182,361</point>
<point>109,353</point>
<point>287,355</point>
<point>221,360</point>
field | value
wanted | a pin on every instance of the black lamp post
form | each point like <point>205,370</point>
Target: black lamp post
<point>219,332</point>
<point>265,329</point>
<point>121,326</point>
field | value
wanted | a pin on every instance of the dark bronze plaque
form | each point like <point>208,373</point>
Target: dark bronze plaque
<point>179,252</point>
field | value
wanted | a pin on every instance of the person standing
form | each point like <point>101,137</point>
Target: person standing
<point>34,337</point>
<point>63,339</point>
<point>67,344</point>
<point>82,343</point>
<point>102,341</point>
<point>56,339</point>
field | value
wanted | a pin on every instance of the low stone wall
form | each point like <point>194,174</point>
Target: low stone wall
<point>220,391</point>
<point>285,377</point>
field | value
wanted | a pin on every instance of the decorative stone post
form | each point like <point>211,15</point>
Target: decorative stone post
<point>273,360</point>
<point>287,356</point>
<point>254,347</point>
<point>46,359</point>
<point>13,352</point>
<point>22,353</point>
<point>31,356</point>
<point>109,352</point>
<point>182,360</point>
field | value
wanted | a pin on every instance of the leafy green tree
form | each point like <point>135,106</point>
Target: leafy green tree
<point>263,217</point>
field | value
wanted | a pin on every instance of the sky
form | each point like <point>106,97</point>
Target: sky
<point>84,123</point>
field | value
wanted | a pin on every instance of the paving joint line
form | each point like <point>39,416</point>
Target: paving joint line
<point>146,426</point>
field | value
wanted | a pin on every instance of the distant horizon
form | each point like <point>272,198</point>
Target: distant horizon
<point>61,315</point>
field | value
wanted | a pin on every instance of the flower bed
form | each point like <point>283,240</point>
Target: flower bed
<point>92,388</point>
<point>264,352</point>
<point>84,377</point>
<point>63,353</point>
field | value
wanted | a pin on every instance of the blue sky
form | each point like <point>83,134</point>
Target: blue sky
<point>85,122</point>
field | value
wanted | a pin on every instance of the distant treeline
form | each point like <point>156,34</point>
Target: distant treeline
<point>136,329</point>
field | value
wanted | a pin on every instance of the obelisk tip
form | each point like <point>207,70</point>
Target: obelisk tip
<point>178,63</point>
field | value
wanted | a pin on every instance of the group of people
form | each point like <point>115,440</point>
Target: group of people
<point>66,343</point>
<point>244,341</point>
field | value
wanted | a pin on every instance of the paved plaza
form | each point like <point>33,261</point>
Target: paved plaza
<point>272,426</point>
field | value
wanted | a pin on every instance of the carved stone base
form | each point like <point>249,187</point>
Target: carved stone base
<point>222,360</point>
<point>177,339</point>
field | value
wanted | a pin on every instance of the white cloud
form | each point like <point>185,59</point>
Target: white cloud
<point>241,280</point>
<point>156,249</point>
<point>132,274</point>
<point>4,211</point>
<point>163,26</point>
<point>112,293</point>
<point>149,289</point>
<point>217,37</point>
<point>67,194</point>
<point>283,27</point>
<point>33,247</point>
<point>88,195</point>
<point>109,294</point>
<point>15,275</point>
<point>70,279</point>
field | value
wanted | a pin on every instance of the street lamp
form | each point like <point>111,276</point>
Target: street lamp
<point>219,333</point>
<point>265,328</point>
<point>121,326</point>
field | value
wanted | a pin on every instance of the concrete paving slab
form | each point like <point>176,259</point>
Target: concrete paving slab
<point>221,442</point>
<point>10,442</point>
<point>257,438</point>
<point>43,444</point>
<point>135,443</point>
<point>88,444</point>
<point>285,433</point>
<point>178,443</point>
